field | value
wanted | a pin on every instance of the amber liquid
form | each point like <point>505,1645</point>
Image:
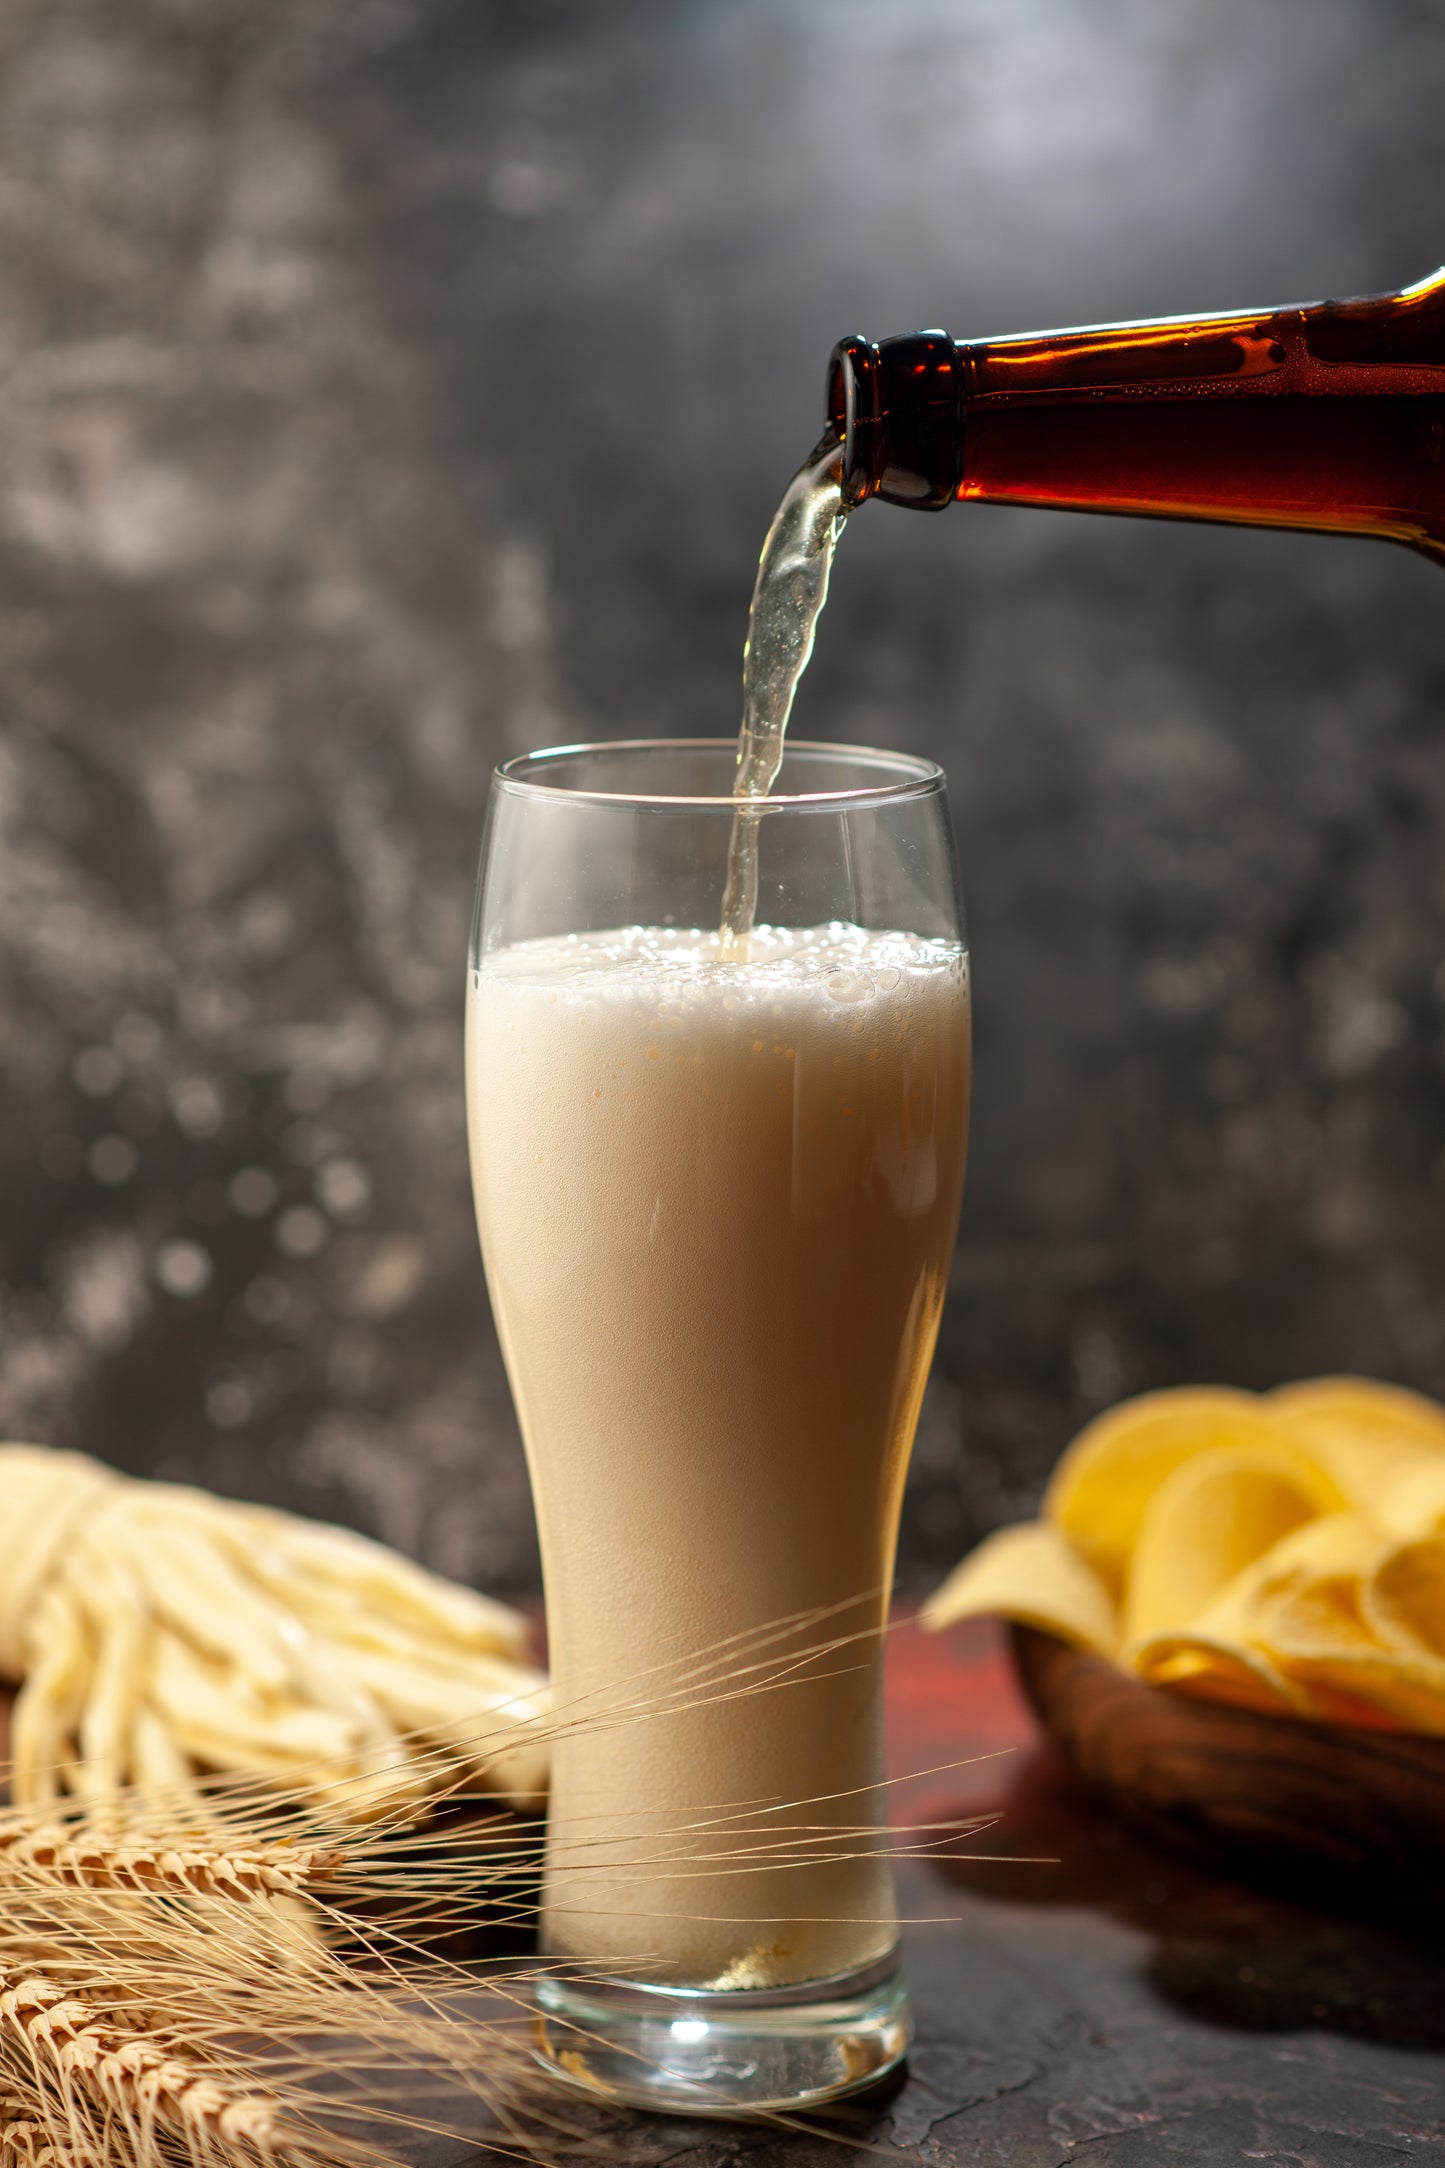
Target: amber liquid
<point>717,1202</point>
<point>788,597</point>
<point>1330,417</point>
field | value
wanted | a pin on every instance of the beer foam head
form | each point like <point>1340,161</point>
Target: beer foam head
<point>839,964</point>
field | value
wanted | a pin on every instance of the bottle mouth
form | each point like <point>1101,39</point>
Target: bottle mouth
<point>897,409</point>
<point>852,405</point>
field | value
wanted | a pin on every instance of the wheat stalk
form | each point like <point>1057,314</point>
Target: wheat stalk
<point>98,2074</point>
<point>160,2007</point>
<point>98,1859</point>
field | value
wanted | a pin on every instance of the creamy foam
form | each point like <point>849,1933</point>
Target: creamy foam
<point>717,1204</point>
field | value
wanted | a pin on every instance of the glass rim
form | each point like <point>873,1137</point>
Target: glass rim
<point>913,776</point>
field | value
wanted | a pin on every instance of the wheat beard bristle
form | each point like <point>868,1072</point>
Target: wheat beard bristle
<point>107,1862</point>
<point>24,2143</point>
<point>67,2050</point>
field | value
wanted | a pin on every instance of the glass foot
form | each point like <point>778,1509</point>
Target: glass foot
<point>742,2052</point>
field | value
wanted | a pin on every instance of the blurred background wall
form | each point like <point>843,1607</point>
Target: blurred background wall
<point>390,385</point>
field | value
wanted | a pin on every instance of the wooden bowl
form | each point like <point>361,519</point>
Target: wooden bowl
<point>1229,1782</point>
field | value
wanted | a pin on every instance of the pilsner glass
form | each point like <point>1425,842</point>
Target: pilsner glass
<point>717,1203</point>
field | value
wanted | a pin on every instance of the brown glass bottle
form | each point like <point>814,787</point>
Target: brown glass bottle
<point>1330,416</point>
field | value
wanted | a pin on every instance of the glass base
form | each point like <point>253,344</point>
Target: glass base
<point>742,2052</point>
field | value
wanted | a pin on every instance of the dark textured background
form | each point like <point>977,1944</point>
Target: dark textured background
<point>392,384</point>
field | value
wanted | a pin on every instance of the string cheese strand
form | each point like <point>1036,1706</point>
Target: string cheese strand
<point>156,1632</point>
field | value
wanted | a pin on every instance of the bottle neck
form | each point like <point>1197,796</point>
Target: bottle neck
<point>899,409</point>
<point>1327,416</point>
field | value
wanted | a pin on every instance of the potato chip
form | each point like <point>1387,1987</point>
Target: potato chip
<point>1223,1656</point>
<point>1209,1520</point>
<point>1322,1702</point>
<point>1365,1406</point>
<point>1031,1574</point>
<point>1412,1501</point>
<point>1284,1553</point>
<point>1340,1546</point>
<point>1300,1609</point>
<point>1370,1436</point>
<point>1309,1618</point>
<point>1214,1670</point>
<point>1404,1598</point>
<point>1102,1487</point>
<point>1303,1596</point>
<point>1409,1689</point>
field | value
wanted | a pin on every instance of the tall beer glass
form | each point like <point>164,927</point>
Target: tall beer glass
<point>717,1203</point>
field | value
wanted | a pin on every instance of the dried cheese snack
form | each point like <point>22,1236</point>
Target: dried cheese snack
<point>156,1632</point>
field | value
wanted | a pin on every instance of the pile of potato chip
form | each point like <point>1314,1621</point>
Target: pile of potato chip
<point>1282,1551</point>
